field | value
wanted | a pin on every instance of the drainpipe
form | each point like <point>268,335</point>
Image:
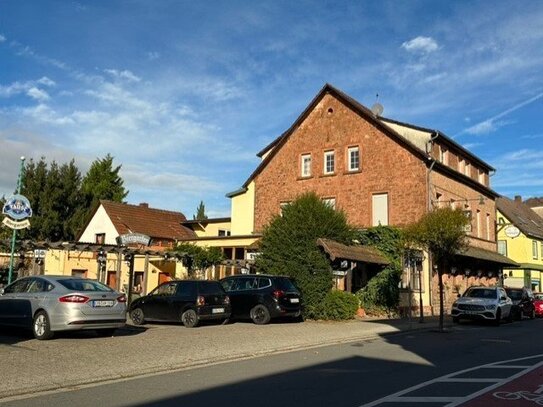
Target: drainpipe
<point>429,145</point>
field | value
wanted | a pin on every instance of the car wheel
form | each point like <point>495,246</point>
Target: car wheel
<point>260,315</point>
<point>41,328</point>
<point>498,317</point>
<point>532,314</point>
<point>137,316</point>
<point>510,318</point>
<point>189,318</point>
<point>106,332</point>
<point>456,320</point>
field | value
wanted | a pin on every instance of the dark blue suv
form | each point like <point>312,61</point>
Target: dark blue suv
<point>261,297</point>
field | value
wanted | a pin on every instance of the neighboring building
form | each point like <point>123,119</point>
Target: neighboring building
<point>536,204</point>
<point>108,221</point>
<point>379,172</point>
<point>520,237</point>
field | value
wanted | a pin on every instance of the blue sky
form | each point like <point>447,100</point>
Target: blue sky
<point>184,94</point>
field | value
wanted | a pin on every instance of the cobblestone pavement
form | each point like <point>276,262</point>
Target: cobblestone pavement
<point>73,359</point>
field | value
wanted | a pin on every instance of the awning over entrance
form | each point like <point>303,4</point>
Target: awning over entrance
<point>531,266</point>
<point>365,254</point>
<point>488,255</point>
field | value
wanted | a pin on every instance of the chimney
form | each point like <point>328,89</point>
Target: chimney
<point>518,198</point>
<point>144,205</point>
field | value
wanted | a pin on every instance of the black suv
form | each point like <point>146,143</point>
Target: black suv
<point>261,297</point>
<point>523,302</point>
<point>187,301</point>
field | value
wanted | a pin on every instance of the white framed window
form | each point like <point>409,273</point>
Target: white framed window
<point>380,209</point>
<point>306,165</point>
<point>329,162</point>
<point>534,249</point>
<point>479,234</point>
<point>488,226</point>
<point>353,154</point>
<point>224,232</point>
<point>331,202</point>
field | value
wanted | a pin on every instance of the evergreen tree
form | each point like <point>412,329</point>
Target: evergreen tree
<point>200,212</point>
<point>102,181</point>
<point>289,247</point>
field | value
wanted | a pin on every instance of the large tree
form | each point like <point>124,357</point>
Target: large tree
<point>102,181</point>
<point>442,233</point>
<point>289,247</point>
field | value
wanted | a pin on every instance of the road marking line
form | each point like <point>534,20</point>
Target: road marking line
<point>474,380</point>
<point>397,397</point>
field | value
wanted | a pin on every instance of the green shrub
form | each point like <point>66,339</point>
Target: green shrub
<point>382,292</point>
<point>339,305</point>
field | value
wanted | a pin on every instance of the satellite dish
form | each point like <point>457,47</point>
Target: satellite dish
<point>377,109</point>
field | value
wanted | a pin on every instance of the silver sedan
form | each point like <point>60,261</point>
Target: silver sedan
<point>61,303</point>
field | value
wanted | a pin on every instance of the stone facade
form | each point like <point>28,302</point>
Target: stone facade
<point>385,167</point>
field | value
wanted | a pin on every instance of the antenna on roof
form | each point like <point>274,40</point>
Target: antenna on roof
<point>377,108</point>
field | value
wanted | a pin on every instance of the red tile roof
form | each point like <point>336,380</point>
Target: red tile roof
<point>155,223</point>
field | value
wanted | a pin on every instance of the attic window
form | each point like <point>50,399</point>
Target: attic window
<point>330,110</point>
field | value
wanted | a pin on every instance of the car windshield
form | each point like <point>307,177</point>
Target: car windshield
<point>81,284</point>
<point>514,294</point>
<point>481,293</point>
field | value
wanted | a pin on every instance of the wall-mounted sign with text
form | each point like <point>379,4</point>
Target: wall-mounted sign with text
<point>133,238</point>
<point>17,209</point>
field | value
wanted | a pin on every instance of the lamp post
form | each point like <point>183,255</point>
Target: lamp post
<point>14,235</point>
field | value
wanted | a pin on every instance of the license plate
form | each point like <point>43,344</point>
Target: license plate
<point>102,303</point>
<point>294,300</point>
<point>217,310</point>
<point>471,312</point>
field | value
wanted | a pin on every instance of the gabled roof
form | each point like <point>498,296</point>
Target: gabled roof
<point>366,254</point>
<point>522,216</point>
<point>379,123</point>
<point>155,223</point>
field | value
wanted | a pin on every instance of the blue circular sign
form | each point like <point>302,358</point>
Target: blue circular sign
<point>17,207</point>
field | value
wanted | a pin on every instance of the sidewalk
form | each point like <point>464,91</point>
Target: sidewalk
<point>29,366</point>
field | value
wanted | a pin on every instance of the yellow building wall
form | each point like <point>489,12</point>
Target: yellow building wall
<point>212,229</point>
<point>519,249</point>
<point>243,212</point>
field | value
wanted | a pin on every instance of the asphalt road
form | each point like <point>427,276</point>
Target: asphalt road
<point>349,374</point>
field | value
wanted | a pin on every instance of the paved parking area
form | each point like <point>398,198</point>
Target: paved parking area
<point>72,359</point>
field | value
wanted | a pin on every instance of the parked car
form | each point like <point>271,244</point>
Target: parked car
<point>262,297</point>
<point>185,301</point>
<point>484,303</point>
<point>538,304</point>
<point>523,302</point>
<point>48,304</point>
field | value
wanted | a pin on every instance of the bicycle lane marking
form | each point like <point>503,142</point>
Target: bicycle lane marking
<point>525,390</point>
<point>429,392</point>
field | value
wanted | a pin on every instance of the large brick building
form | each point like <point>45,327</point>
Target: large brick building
<point>379,171</point>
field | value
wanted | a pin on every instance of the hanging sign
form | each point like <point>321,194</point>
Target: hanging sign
<point>17,207</point>
<point>133,238</point>
<point>512,231</point>
<point>13,224</point>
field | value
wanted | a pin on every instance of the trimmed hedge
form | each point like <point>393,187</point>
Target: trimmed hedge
<point>340,305</point>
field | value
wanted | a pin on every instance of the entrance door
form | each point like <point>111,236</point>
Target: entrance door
<point>112,279</point>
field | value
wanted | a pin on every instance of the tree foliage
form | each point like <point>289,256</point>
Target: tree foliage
<point>289,247</point>
<point>382,293</point>
<point>61,199</point>
<point>200,212</point>
<point>442,233</point>
<point>198,258</point>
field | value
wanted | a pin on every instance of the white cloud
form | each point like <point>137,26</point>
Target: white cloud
<point>38,94</point>
<point>151,56</point>
<point>420,44</point>
<point>2,38</point>
<point>126,74</point>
